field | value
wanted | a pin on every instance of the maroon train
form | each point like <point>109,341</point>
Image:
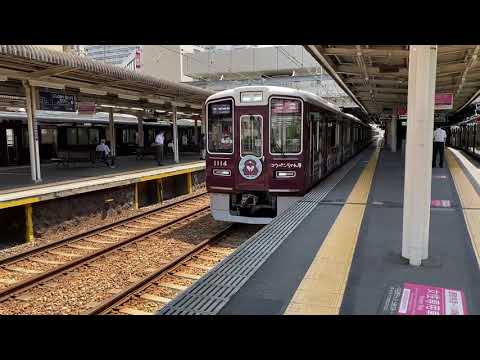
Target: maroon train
<point>267,146</point>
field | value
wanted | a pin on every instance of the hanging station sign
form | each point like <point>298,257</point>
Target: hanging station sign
<point>56,101</point>
<point>444,101</point>
<point>87,108</point>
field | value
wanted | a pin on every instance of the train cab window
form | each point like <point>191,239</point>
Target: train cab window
<point>285,126</point>
<point>220,127</point>
<point>251,135</point>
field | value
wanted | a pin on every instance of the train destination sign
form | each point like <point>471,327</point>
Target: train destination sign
<point>286,106</point>
<point>56,101</point>
<point>416,299</point>
<point>221,109</point>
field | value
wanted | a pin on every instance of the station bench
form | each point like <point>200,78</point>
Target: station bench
<point>67,157</point>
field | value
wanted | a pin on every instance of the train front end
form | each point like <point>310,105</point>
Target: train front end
<point>254,153</point>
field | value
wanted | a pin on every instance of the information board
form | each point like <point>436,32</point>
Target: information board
<point>56,101</point>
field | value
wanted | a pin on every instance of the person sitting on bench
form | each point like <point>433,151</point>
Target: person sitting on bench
<point>102,147</point>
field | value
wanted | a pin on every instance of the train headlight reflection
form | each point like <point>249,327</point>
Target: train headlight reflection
<point>220,172</point>
<point>285,174</point>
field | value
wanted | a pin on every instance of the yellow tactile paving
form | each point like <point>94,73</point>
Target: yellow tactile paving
<point>321,290</point>
<point>470,201</point>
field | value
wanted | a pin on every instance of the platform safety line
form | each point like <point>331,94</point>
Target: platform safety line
<point>321,290</point>
<point>12,203</point>
<point>469,199</point>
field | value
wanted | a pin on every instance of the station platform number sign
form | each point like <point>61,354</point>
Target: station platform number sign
<point>416,299</point>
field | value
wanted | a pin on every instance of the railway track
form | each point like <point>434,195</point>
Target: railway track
<point>28,269</point>
<point>153,292</point>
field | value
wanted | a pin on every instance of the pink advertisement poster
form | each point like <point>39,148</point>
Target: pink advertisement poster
<point>429,300</point>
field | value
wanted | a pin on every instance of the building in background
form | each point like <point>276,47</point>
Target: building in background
<point>222,67</point>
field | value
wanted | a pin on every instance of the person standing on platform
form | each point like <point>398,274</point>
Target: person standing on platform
<point>159,141</point>
<point>103,147</point>
<point>439,137</point>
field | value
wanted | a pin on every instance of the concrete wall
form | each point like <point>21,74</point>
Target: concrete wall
<point>164,61</point>
<point>64,214</point>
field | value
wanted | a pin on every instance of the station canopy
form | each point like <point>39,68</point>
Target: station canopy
<point>376,76</point>
<point>89,80</point>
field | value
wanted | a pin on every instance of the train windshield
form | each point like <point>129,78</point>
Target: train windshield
<point>251,135</point>
<point>220,127</point>
<point>285,126</point>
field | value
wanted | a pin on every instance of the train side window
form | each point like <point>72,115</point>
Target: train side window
<point>220,127</point>
<point>82,136</point>
<point>93,136</point>
<point>72,136</point>
<point>285,126</point>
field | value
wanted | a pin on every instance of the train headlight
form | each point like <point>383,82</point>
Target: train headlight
<point>285,174</point>
<point>222,172</point>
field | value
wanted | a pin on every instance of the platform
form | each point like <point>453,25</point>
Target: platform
<point>16,187</point>
<point>339,250</point>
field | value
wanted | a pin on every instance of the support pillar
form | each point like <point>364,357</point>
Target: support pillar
<point>189,183</point>
<point>418,157</point>
<point>195,132</point>
<point>31,102</point>
<point>111,130</point>
<point>28,223</point>
<point>176,157</point>
<point>140,134</point>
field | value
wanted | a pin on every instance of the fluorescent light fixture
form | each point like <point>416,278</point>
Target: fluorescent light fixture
<point>45,84</point>
<point>156,101</point>
<point>93,91</point>
<point>128,97</point>
<point>251,96</point>
<point>3,78</point>
<point>221,172</point>
<point>179,104</point>
<point>285,174</point>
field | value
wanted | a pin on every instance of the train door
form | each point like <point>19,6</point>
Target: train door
<point>315,150</point>
<point>251,148</point>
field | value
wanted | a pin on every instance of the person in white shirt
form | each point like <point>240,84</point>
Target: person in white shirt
<point>159,142</point>
<point>184,140</point>
<point>105,149</point>
<point>439,137</point>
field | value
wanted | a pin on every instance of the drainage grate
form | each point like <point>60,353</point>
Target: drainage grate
<point>213,291</point>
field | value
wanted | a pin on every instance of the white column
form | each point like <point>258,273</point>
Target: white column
<point>140,135</point>
<point>418,157</point>
<point>111,130</point>
<point>30,97</point>
<point>175,135</point>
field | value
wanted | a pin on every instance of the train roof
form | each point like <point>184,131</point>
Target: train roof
<point>98,118</point>
<point>284,91</point>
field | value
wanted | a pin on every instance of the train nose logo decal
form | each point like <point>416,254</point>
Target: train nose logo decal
<point>250,167</point>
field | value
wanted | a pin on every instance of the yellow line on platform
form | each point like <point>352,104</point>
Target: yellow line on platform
<point>12,203</point>
<point>470,201</point>
<point>321,290</point>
